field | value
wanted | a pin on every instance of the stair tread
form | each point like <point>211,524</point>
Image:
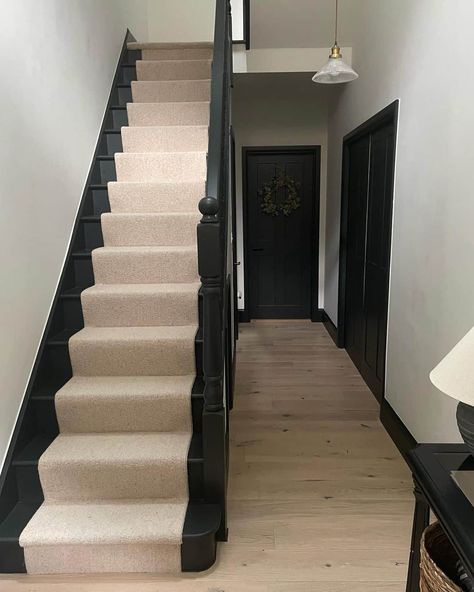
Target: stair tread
<point>108,522</point>
<point>181,62</point>
<point>61,337</point>
<point>158,184</point>
<point>16,520</point>
<point>118,386</point>
<point>32,451</point>
<point>147,249</point>
<point>121,334</point>
<point>184,82</point>
<point>158,215</point>
<point>170,45</point>
<point>131,289</point>
<point>168,128</point>
<point>201,519</point>
<point>125,448</point>
<point>48,392</point>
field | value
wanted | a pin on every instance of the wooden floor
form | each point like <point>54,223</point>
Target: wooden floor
<point>319,498</point>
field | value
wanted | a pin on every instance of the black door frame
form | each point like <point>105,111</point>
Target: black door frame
<point>387,115</point>
<point>315,152</point>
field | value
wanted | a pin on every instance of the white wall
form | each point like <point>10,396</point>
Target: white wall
<point>279,110</point>
<point>60,61</point>
<point>418,52</point>
<point>181,20</point>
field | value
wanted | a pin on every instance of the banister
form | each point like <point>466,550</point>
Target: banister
<point>213,236</point>
<point>213,229</point>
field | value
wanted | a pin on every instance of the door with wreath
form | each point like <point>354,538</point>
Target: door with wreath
<point>281,218</point>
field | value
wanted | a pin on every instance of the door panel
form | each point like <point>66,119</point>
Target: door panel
<point>280,248</point>
<point>370,197</point>
<point>357,190</point>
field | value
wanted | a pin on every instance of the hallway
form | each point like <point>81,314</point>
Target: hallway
<point>319,498</point>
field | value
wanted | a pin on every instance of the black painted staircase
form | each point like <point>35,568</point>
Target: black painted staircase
<point>20,488</point>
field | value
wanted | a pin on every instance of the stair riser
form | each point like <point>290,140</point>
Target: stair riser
<point>165,139</point>
<point>174,70</point>
<point>166,91</point>
<point>177,54</point>
<point>124,558</point>
<point>161,168</point>
<point>148,199</point>
<point>139,310</point>
<point>135,231</point>
<point>132,358</point>
<point>121,414</point>
<point>144,267</point>
<point>162,114</point>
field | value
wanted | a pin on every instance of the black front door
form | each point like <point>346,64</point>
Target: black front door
<point>281,263</point>
<point>369,195</point>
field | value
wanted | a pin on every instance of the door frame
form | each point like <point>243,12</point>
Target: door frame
<point>315,152</point>
<point>387,115</point>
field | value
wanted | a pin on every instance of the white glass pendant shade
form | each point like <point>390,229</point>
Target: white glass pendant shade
<point>336,70</point>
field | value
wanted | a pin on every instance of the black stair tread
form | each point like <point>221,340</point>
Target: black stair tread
<point>129,65</point>
<point>195,449</point>
<point>31,453</point>
<point>98,186</point>
<point>14,523</point>
<point>74,292</point>
<point>83,254</point>
<point>118,107</point>
<point>91,218</point>
<point>45,392</point>
<point>201,519</point>
<point>112,131</point>
<point>124,85</point>
<point>106,157</point>
<point>198,388</point>
<point>62,337</point>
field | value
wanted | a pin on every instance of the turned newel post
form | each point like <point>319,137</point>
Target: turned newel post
<point>210,270</point>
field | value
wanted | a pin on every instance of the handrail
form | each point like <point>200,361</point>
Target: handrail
<point>213,229</point>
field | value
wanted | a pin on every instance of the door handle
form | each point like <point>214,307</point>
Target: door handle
<point>236,263</point>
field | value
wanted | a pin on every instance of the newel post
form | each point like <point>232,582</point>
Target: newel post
<point>210,270</point>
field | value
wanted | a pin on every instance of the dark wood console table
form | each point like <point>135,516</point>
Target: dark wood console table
<point>435,489</point>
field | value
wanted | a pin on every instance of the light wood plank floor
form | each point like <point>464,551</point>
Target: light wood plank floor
<point>319,498</point>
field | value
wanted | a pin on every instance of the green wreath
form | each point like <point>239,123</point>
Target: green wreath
<point>269,191</point>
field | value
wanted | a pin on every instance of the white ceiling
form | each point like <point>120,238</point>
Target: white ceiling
<point>297,23</point>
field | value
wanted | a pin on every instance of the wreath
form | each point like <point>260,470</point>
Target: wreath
<point>268,193</point>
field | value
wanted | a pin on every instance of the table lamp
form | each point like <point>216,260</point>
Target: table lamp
<point>454,376</point>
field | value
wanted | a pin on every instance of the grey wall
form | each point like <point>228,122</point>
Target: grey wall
<point>402,50</point>
<point>61,60</point>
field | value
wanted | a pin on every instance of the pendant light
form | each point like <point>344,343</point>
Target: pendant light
<point>336,70</point>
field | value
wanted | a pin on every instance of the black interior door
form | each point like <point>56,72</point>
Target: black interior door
<point>369,217</point>
<point>281,275</point>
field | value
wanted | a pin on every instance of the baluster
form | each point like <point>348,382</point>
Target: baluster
<point>210,270</point>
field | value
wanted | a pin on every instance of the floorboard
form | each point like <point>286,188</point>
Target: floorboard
<point>319,498</point>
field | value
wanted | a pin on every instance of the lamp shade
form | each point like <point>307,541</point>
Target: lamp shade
<point>335,72</point>
<point>454,375</point>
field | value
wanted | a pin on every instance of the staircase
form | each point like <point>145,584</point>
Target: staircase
<point>117,462</point>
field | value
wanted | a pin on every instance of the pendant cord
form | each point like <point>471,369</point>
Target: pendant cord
<point>335,31</point>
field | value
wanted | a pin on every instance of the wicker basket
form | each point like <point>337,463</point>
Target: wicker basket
<point>438,562</point>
